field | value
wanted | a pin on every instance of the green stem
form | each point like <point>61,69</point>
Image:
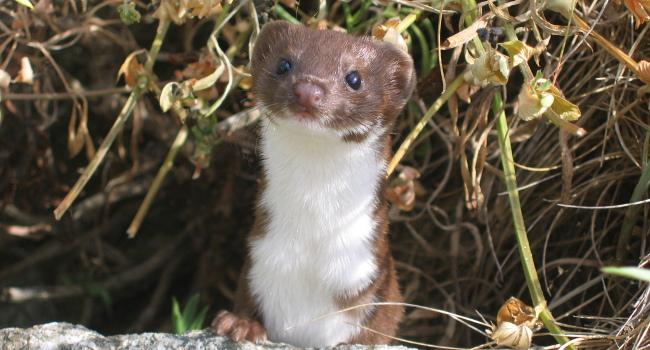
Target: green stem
<point>515,205</point>
<point>163,26</point>
<point>532,280</point>
<point>408,20</point>
<point>525,254</point>
<point>282,13</point>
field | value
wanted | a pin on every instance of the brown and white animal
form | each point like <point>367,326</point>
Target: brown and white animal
<point>319,243</point>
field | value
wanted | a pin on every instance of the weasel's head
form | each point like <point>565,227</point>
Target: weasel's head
<point>329,81</point>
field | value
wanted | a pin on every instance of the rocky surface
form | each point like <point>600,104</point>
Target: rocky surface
<point>66,336</point>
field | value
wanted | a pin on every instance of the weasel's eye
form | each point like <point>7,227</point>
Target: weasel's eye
<point>283,68</point>
<point>353,80</point>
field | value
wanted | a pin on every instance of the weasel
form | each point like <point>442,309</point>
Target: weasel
<point>319,242</point>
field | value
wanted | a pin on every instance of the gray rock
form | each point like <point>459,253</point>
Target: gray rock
<point>66,336</point>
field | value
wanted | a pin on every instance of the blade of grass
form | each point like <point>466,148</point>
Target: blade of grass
<point>283,14</point>
<point>629,272</point>
<point>451,89</point>
<point>179,323</point>
<point>631,216</point>
<point>103,149</point>
<point>424,55</point>
<point>167,165</point>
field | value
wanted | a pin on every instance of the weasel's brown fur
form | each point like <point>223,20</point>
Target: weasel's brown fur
<point>320,63</point>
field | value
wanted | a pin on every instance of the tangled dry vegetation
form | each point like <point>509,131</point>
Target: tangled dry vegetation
<point>176,132</point>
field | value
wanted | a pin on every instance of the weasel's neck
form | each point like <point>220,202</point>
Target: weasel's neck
<point>320,199</point>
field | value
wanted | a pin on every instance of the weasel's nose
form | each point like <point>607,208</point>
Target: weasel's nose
<point>308,95</point>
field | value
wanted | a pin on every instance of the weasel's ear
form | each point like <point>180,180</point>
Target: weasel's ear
<point>401,78</point>
<point>271,35</point>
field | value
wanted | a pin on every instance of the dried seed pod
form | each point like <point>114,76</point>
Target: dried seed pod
<point>510,334</point>
<point>491,66</point>
<point>515,311</point>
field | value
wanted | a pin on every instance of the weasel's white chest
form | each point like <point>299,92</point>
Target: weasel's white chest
<point>318,245</point>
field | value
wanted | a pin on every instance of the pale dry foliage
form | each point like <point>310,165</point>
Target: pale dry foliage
<point>467,260</point>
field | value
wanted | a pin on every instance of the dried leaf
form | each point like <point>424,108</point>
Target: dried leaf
<point>541,47</point>
<point>515,311</point>
<point>203,8</point>
<point>131,69</point>
<point>528,103</point>
<point>5,79</point>
<point>209,80</point>
<point>562,107</point>
<point>565,109</point>
<point>491,66</point>
<point>180,11</point>
<point>540,95</point>
<point>19,24</point>
<point>394,37</point>
<point>509,334</point>
<point>518,52</point>
<point>387,32</point>
<point>563,124</point>
<point>168,11</point>
<point>643,70</point>
<point>26,74</point>
<point>516,321</point>
<point>639,9</point>
<point>466,34</point>
<point>402,189</point>
<point>80,137</point>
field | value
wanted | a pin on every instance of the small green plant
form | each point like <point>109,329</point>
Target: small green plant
<point>188,319</point>
<point>128,13</point>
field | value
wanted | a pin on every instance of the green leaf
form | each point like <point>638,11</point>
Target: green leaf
<point>543,86</point>
<point>190,308</point>
<point>198,321</point>
<point>102,293</point>
<point>629,272</point>
<point>177,320</point>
